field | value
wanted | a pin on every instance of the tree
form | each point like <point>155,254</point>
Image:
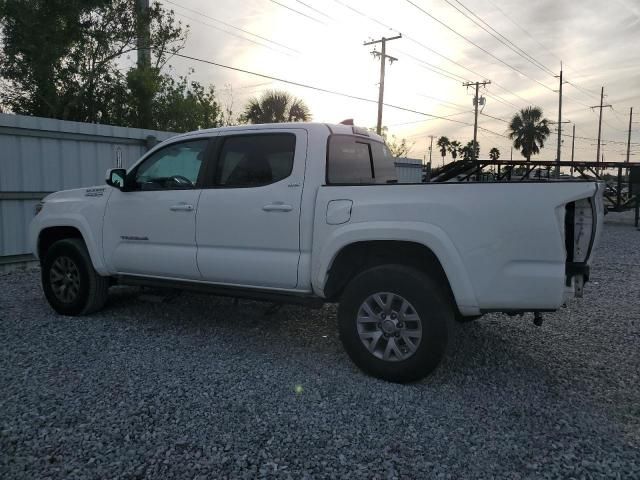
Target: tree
<point>275,106</point>
<point>184,105</point>
<point>529,130</point>
<point>467,151</point>
<point>454,149</point>
<point>60,58</point>
<point>443,144</point>
<point>397,147</point>
<point>494,154</point>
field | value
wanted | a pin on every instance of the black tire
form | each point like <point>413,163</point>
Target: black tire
<point>91,288</point>
<point>428,300</point>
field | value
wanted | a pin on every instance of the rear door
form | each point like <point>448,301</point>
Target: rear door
<point>248,219</point>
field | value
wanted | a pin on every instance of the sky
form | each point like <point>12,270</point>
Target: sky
<point>320,43</point>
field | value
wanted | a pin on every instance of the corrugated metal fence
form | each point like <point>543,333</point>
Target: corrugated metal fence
<point>41,155</point>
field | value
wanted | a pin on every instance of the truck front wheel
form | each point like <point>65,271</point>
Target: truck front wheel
<point>395,322</point>
<point>70,283</point>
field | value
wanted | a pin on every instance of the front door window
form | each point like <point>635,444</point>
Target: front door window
<point>174,167</point>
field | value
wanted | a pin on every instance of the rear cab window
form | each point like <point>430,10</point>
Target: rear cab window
<point>355,159</point>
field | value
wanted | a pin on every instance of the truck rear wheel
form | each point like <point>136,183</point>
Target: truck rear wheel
<point>70,283</point>
<point>395,322</point>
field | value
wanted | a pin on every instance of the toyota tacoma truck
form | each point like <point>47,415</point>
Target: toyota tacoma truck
<point>313,213</point>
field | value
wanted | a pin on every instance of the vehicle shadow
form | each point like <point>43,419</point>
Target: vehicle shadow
<point>479,350</point>
<point>501,369</point>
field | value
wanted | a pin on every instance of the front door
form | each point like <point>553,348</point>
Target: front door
<point>248,222</point>
<point>149,229</point>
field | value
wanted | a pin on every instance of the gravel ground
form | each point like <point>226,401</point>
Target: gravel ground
<point>195,387</point>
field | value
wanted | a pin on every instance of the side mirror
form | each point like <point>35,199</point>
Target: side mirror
<point>116,177</point>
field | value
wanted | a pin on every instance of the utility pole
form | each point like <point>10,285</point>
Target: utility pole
<point>629,135</point>
<point>476,103</point>
<point>573,146</point>
<point>383,60</point>
<point>428,175</point>
<point>144,35</point>
<point>601,106</point>
<point>559,124</point>
<point>143,25</point>
<point>627,161</point>
<point>431,148</point>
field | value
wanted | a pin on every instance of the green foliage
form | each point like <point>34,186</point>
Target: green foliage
<point>529,130</point>
<point>184,105</point>
<point>467,151</point>
<point>275,106</point>
<point>443,143</point>
<point>66,59</point>
<point>455,147</point>
<point>494,154</point>
<point>397,147</point>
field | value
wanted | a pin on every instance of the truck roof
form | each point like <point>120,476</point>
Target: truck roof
<point>309,126</point>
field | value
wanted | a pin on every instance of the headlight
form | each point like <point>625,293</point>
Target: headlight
<point>39,207</point>
<point>583,230</point>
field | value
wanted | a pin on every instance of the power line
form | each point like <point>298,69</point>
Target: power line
<point>508,17</point>
<point>232,26</point>
<point>255,42</point>
<point>319,89</point>
<point>498,98</point>
<point>495,118</point>
<point>315,10</point>
<point>477,46</point>
<point>298,12</point>
<point>524,55</point>
<point>433,68</point>
<point>456,105</point>
<point>582,89</point>
<point>498,36</point>
<point>522,28</point>
<point>427,119</point>
<point>603,141</point>
<point>420,44</point>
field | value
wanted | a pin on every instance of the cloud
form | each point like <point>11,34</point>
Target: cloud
<point>596,41</point>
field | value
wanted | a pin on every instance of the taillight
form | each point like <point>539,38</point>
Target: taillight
<point>580,228</point>
<point>583,225</point>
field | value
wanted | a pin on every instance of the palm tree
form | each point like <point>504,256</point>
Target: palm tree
<point>443,143</point>
<point>276,106</point>
<point>494,154</point>
<point>454,149</point>
<point>467,151</point>
<point>529,130</point>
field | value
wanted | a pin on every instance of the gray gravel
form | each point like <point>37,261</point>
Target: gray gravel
<point>197,388</point>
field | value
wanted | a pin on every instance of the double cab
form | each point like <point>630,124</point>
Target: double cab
<point>313,213</point>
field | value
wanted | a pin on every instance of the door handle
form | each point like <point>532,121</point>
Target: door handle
<point>181,207</point>
<point>277,207</point>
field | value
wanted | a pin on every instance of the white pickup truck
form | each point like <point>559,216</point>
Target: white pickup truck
<point>311,212</point>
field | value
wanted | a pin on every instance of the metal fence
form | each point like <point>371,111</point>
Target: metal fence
<point>42,155</point>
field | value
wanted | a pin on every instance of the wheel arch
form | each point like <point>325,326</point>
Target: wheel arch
<point>50,234</point>
<point>438,258</point>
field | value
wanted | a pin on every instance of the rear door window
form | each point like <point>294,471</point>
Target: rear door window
<point>254,160</point>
